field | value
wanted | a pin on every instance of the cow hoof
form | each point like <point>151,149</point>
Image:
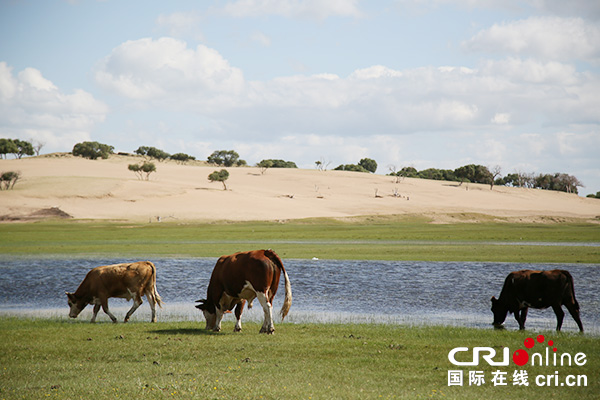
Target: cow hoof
<point>236,329</point>
<point>267,331</point>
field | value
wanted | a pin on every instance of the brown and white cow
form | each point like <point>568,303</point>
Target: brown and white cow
<point>128,281</point>
<point>536,289</point>
<point>245,276</point>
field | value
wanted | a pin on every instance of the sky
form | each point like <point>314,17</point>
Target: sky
<point>421,83</point>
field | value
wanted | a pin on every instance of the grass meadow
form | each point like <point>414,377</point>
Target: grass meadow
<point>78,360</point>
<point>366,238</point>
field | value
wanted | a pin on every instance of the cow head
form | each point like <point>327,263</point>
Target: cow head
<point>500,311</point>
<point>209,311</point>
<point>76,305</point>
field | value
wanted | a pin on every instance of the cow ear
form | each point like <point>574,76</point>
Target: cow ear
<point>494,300</point>
<point>202,304</point>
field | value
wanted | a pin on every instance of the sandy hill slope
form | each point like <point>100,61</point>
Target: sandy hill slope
<point>58,185</point>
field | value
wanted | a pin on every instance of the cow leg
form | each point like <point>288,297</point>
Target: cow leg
<point>219,317</point>
<point>137,301</point>
<point>268,309</point>
<point>560,314</point>
<point>574,311</point>
<point>523,318</point>
<point>519,320</point>
<point>95,313</point>
<point>107,311</point>
<point>238,316</point>
<point>152,302</point>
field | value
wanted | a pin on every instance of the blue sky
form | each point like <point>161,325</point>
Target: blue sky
<point>422,83</point>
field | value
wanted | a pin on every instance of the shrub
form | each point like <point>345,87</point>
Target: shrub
<point>219,176</point>
<point>227,158</point>
<point>144,168</point>
<point>152,152</point>
<point>350,167</point>
<point>368,164</point>
<point>9,179</point>
<point>181,157</point>
<point>93,150</point>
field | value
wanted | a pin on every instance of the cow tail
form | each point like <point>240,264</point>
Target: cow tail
<point>571,286</point>
<point>154,292</point>
<point>287,302</point>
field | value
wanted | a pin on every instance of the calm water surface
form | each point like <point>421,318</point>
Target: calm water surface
<point>449,293</point>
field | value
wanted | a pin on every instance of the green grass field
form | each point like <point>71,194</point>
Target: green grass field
<point>383,238</point>
<point>77,360</point>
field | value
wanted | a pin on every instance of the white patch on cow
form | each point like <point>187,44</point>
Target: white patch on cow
<point>268,309</point>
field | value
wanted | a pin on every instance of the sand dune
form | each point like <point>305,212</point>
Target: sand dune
<point>106,189</point>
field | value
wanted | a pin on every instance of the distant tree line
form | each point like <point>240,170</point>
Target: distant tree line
<point>229,158</point>
<point>481,174</point>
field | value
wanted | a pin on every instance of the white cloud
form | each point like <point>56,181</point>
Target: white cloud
<point>501,118</point>
<point>32,107</point>
<point>547,38</point>
<point>374,72</point>
<point>167,71</point>
<point>311,9</point>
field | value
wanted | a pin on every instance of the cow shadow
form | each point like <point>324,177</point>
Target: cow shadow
<point>184,331</point>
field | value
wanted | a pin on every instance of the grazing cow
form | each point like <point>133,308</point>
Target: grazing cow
<point>240,277</point>
<point>537,289</point>
<point>129,281</point>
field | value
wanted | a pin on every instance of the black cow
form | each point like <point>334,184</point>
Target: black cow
<point>537,289</point>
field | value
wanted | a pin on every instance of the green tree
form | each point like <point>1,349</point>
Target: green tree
<point>219,176</point>
<point>9,179</point>
<point>264,165</point>
<point>8,146</point>
<point>92,150</point>
<point>24,148</point>
<point>431,173</point>
<point>368,164</point>
<point>473,173</point>
<point>227,158</point>
<point>408,172</point>
<point>350,167</point>
<point>143,169</point>
<point>594,196</point>
<point>280,163</point>
<point>181,157</point>
<point>152,152</point>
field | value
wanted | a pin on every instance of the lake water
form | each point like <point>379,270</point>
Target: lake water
<point>406,292</point>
